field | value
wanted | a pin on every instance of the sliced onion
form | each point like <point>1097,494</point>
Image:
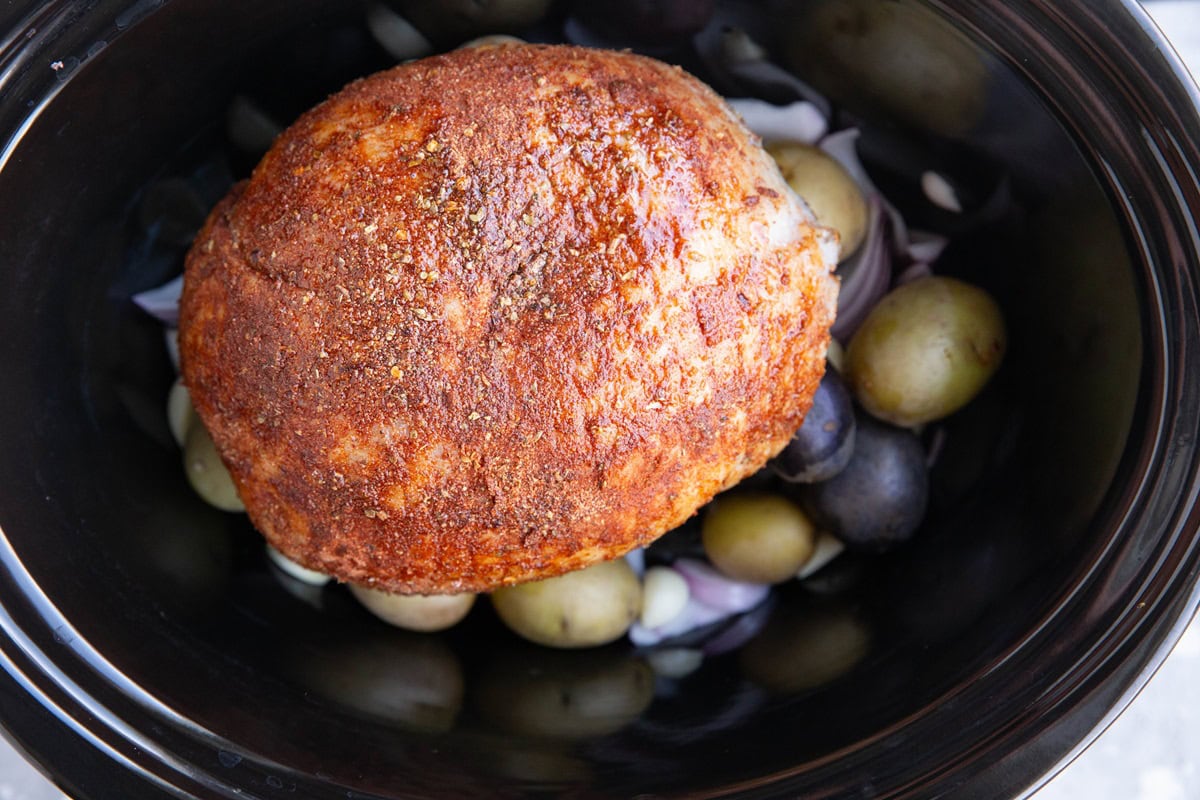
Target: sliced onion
<point>828,548</point>
<point>939,191</point>
<point>925,246</point>
<point>843,146</point>
<point>162,302</point>
<point>866,275</point>
<point>637,560</point>
<point>294,570</point>
<point>740,631</point>
<point>913,271</point>
<point>717,591</point>
<point>491,40</point>
<point>800,121</point>
<point>396,34</point>
<point>733,55</point>
<point>694,615</point>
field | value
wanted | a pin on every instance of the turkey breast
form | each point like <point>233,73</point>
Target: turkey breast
<point>502,313</point>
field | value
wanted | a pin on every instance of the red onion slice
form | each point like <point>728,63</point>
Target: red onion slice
<point>636,558</point>
<point>717,591</point>
<point>866,275</point>
<point>739,632</point>
<point>800,121</point>
<point>694,615</point>
<point>162,302</point>
<point>913,271</point>
<point>925,247</point>
<point>843,146</point>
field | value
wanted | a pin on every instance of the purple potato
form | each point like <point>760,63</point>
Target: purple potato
<point>878,501</point>
<point>822,447</point>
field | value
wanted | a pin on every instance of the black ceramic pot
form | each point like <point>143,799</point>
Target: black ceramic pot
<point>149,650</point>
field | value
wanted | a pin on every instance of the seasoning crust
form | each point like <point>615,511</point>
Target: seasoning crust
<point>498,314</point>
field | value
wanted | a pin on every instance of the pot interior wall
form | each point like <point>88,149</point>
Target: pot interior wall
<point>179,598</point>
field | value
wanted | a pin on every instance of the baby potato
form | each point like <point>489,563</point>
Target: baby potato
<point>206,472</point>
<point>414,612</point>
<point>828,189</point>
<point>925,350</point>
<point>590,607</point>
<point>757,538</point>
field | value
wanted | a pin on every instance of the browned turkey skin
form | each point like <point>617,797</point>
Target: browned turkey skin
<point>499,314</point>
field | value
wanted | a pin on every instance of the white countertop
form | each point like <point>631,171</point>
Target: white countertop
<point>1151,752</point>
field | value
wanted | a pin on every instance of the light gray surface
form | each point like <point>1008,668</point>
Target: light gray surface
<point>1151,752</point>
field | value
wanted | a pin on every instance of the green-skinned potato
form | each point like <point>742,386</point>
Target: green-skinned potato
<point>414,612</point>
<point>828,189</point>
<point>925,350</point>
<point>590,607</point>
<point>757,537</point>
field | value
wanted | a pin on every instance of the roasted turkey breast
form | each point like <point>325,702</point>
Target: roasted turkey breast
<point>499,314</point>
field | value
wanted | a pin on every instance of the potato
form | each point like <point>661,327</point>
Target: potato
<point>586,608</point>
<point>925,350</point>
<point>414,612</point>
<point>206,471</point>
<point>757,538</point>
<point>828,189</point>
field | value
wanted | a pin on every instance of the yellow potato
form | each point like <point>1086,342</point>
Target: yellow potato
<point>828,189</point>
<point>758,538</point>
<point>590,607</point>
<point>415,612</point>
<point>925,351</point>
